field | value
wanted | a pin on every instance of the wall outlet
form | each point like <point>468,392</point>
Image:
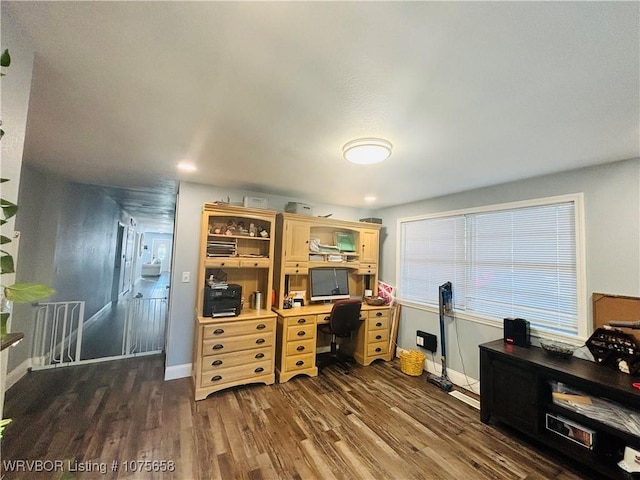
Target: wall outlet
<point>186,277</point>
<point>426,341</point>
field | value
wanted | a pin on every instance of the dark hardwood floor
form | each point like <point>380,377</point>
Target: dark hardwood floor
<point>375,423</point>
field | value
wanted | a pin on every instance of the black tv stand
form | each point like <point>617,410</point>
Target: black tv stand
<point>517,387</point>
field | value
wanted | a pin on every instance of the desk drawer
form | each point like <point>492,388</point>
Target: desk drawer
<point>245,342</point>
<point>236,373</point>
<point>322,318</point>
<point>301,320</point>
<point>374,336</point>
<point>299,362</point>
<point>301,332</point>
<point>254,263</point>
<point>233,359</point>
<point>222,262</point>
<point>378,323</point>
<point>377,348</point>
<point>296,268</point>
<point>231,329</point>
<point>302,346</point>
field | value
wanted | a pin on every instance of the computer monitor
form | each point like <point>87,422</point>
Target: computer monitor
<point>327,284</point>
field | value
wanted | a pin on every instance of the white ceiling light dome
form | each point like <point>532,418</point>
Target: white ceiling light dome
<point>367,150</point>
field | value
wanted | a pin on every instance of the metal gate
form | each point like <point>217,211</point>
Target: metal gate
<point>60,330</point>
<point>58,334</point>
<point>144,326</point>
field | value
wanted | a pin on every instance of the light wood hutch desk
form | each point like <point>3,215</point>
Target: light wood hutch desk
<point>296,329</point>
<point>296,337</point>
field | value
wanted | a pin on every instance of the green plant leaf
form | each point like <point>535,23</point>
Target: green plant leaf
<point>6,264</point>
<point>4,240</point>
<point>8,209</point>
<point>27,292</point>
<point>5,58</point>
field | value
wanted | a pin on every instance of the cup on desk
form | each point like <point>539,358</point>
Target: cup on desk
<point>368,293</point>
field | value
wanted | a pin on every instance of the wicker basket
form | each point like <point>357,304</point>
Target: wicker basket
<point>375,301</point>
<point>412,362</point>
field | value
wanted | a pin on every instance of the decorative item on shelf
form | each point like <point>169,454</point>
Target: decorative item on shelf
<point>412,362</point>
<point>557,349</point>
<point>375,301</point>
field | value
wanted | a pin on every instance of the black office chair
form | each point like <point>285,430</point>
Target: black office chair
<point>343,319</point>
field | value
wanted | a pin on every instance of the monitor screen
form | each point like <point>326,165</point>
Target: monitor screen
<point>329,283</point>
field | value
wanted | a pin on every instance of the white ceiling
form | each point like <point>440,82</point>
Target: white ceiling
<point>262,96</point>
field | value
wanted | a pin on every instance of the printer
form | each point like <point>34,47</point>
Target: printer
<point>222,300</point>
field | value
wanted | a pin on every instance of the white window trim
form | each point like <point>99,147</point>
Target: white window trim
<point>584,326</point>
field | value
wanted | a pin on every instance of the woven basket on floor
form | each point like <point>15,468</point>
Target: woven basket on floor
<point>412,362</point>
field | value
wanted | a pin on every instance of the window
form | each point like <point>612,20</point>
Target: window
<point>520,259</point>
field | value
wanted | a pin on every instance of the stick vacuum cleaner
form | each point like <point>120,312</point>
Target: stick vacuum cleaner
<point>445,294</point>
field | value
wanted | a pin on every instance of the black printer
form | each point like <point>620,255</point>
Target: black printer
<point>222,300</point>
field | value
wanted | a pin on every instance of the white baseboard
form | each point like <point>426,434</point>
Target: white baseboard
<point>96,315</point>
<point>17,373</point>
<point>177,371</point>
<point>457,378</point>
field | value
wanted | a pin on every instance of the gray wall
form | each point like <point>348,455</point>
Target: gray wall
<point>68,241</point>
<point>612,218</point>
<point>186,245</point>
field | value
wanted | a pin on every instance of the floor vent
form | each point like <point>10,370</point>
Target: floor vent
<point>466,399</point>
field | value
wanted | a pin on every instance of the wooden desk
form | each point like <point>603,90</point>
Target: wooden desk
<point>296,336</point>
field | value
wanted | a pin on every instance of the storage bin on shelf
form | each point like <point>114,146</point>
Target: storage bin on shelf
<point>412,362</point>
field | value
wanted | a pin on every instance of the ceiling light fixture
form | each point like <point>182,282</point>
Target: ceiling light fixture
<point>187,167</point>
<point>365,151</point>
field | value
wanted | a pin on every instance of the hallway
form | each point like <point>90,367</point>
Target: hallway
<point>104,336</point>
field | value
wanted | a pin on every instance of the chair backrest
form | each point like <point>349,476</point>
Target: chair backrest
<point>345,316</point>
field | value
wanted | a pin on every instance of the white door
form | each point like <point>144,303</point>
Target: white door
<point>161,249</point>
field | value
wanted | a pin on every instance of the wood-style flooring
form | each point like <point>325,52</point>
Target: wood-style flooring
<point>376,423</point>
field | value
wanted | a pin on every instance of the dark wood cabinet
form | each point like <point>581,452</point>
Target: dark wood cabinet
<point>521,387</point>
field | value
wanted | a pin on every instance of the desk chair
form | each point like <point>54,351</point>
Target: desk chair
<point>343,319</point>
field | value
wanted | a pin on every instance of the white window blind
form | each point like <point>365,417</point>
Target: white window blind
<point>506,262</point>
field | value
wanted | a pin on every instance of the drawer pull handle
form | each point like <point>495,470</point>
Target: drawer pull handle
<point>259,355</point>
<point>300,348</point>
<point>326,318</point>
<point>259,369</point>
<point>218,346</point>
<point>379,324</point>
<point>262,326</point>
<point>218,331</point>
<point>378,337</point>
<point>302,333</point>
<point>378,314</point>
<point>217,378</point>
<point>378,349</point>
<point>255,264</point>
<point>260,340</point>
<point>299,362</point>
<point>216,363</point>
<point>302,320</point>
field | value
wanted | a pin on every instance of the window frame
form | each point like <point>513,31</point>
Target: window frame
<point>577,199</point>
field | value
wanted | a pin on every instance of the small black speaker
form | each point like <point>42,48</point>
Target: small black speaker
<point>516,332</point>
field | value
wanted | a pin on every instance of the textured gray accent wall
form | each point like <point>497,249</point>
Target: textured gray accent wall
<point>68,241</point>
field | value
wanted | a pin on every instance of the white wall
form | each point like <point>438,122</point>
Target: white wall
<point>186,246</point>
<point>612,217</point>
<point>15,89</point>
